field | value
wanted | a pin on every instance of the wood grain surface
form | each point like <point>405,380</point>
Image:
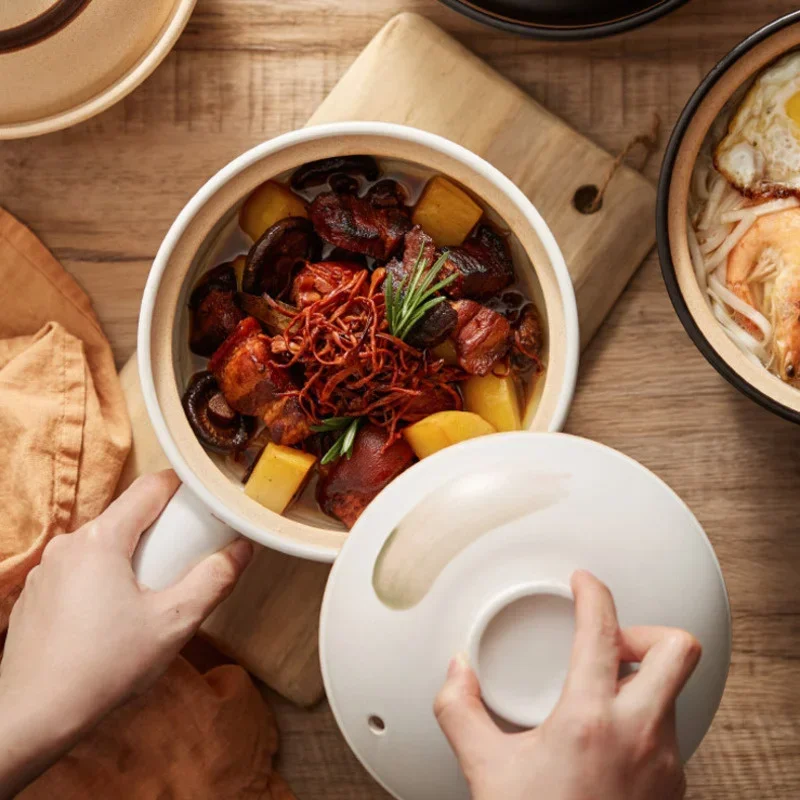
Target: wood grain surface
<point>103,194</point>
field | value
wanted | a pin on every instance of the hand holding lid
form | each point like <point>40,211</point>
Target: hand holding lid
<point>607,737</point>
<point>473,549</point>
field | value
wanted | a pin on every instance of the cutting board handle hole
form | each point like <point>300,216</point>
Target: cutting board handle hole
<point>376,725</point>
<point>585,199</point>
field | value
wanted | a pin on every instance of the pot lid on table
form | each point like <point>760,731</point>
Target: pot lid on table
<point>62,61</point>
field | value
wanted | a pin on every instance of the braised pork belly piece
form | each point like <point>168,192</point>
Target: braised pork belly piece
<point>482,337</point>
<point>481,265</point>
<point>440,399</point>
<point>355,224</point>
<point>348,486</point>
<point>416,245</point>
<point>440,321</point>
<point>253,383</point>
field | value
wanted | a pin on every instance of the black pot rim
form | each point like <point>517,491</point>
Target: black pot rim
<point>662,227</point>
<point>572,32</point>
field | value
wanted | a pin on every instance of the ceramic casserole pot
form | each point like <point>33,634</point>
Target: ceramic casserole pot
<point>211,507</point>
<point>564,19</point>
<point>717,95</point>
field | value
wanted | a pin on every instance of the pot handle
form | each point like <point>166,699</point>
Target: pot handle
<point>183,535</point>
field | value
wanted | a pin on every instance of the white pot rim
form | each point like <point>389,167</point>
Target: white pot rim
<point>247,159</point>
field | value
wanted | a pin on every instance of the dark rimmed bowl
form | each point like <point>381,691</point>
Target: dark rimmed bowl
<point>733,71</point>
<point>564,19</point>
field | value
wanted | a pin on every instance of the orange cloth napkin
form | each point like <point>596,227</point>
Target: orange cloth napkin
<point>66,434</point>
<point>63,421</point>
<point>191,737</point>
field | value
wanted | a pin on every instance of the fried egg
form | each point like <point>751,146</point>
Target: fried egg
<point>760,154</point>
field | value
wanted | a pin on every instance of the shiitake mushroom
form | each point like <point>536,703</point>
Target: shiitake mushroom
<point>386,194</point>
<point>275,315</point>
<point>214,310</point>
<point>273,259</point>
<point>528,339</point>
<point>315,173</point>
<point>214,422</point>
<point>342,183</point>
<point>434,327</point>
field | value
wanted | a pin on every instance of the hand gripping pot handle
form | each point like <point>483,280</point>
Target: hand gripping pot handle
<point>184,534</point>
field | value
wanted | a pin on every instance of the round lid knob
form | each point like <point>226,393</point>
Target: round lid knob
<point>471,550</point>
<point>25,23</point>
<point>520,649</point>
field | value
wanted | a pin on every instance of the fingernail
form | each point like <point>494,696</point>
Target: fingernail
<point>241,551</point>
<point>458,664</point>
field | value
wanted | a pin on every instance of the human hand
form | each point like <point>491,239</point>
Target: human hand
<point>84,636</point>
<point>607,739</point>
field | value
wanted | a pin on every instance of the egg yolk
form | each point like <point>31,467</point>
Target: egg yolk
<point>793,108</point>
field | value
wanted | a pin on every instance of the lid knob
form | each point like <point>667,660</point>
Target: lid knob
<point>56,15</point>
<point>520,649</point>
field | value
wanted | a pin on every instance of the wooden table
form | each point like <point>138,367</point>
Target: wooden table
<point>103,194</point>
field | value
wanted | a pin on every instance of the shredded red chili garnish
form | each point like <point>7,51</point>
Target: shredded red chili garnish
<point>353,365</point>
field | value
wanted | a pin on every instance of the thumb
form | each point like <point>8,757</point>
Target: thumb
<point>462,716</point>
<point>208,583</point>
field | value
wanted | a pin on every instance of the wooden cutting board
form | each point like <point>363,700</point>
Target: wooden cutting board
<point>415,74</point>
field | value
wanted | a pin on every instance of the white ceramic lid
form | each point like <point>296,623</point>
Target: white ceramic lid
<point>61,61</point>
<point>471,550</point>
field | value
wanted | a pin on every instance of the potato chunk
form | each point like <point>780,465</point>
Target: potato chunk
<point>494,399</point>
<point>446,212</point>
<point>268,204</point>
<point>444,428</point>
<point>279,476</point>
<point>446,350</point>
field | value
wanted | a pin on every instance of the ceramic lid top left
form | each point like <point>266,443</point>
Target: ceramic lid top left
<point>62,61</point>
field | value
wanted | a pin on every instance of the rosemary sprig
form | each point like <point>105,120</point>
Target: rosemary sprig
<point>408,303</point>
<point>332,424</point>
<point>343,446</point>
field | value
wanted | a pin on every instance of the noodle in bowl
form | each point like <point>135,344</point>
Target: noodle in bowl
<point>729,219</point>
<point>719,219</point>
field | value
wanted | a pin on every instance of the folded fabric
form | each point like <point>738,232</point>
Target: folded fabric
<point>196,737</point>
<point>66,434</point>
<point>63,421</point>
